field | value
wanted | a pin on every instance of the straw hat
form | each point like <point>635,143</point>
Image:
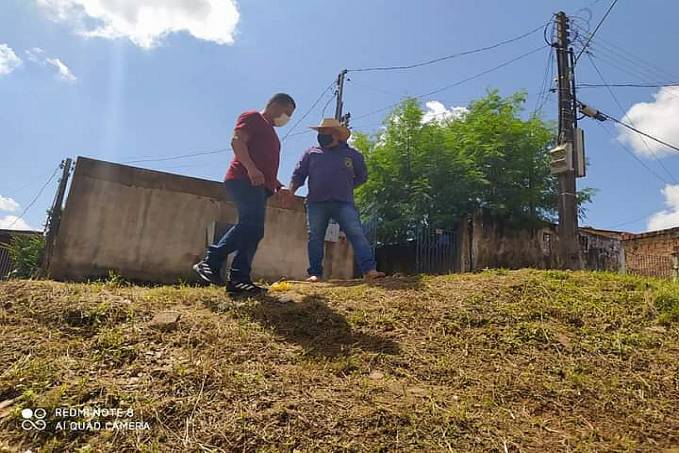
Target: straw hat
<point>332,123</point>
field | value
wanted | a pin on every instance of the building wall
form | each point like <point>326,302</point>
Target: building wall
<point>494,244</point>
<point>153,226</point>
<point>602,252</point>
<point>651,253</point>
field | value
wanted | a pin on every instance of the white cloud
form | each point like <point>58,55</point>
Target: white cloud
<point>63,71</point>
<point>146,22</point>
<point>34,54</point>
<point>9,61</point>
<point>436,111</point>
<point>658,118</point>
<point>37,55</point>
<point>13,222</point>
<point>668,218</point>
<point>8,204</point>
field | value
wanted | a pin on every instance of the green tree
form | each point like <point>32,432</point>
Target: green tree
<point>25,251</point>
<point>434,173</point>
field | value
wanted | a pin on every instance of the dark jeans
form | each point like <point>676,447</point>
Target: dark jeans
<point>344,213</point>
<point>243,237</point>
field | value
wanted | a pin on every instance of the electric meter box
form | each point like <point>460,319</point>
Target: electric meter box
<point>561,159</point>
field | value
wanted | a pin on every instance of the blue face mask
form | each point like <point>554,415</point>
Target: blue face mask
<point>325,139</point>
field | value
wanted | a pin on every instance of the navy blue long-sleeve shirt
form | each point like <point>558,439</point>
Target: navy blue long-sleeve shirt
<point>333,173</point>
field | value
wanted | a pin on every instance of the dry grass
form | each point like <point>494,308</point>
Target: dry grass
<point>498,361</point>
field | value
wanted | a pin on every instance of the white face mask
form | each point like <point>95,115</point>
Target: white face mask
<point>281,120</point>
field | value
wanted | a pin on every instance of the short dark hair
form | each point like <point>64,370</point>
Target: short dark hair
<point>282,99</point>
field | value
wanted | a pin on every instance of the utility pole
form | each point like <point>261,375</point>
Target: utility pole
<point>339,105</point>
<point>54,218</point>
<point>568,203</point>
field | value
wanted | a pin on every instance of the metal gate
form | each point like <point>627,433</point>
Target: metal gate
<point>435,251</point>
<point>430,251</point>
<point>6,265</point>
<point>370,230</point>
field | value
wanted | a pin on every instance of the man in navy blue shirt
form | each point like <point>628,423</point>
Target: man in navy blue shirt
<point>334,169</point>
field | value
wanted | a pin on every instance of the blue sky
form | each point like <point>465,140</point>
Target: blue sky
<point>110,85</point>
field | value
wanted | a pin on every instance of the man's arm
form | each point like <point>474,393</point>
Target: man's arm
<point>360,168</point>
<point>239,143</point>
<point>300,173</point>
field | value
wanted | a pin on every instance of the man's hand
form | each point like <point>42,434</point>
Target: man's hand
<point>256,176</point>
<point>287,197</point>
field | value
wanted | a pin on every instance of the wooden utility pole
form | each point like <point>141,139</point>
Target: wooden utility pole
<point>54,218</point>
<point>568,203</point>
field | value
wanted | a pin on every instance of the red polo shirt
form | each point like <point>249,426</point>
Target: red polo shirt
<point>263,146</point>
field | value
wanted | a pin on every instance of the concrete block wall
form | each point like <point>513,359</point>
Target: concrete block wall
<point>153,226</point>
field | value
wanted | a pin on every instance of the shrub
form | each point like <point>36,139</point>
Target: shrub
<point>25,251</point>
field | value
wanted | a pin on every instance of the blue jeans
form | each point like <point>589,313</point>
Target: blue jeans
<point>243,237</point>
<point>344,213</point>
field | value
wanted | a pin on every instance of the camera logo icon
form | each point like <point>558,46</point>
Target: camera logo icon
<point>34,419</point>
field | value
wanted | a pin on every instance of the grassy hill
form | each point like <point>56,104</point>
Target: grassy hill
<point>497,361</point>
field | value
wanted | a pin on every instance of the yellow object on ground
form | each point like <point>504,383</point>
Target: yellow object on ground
<point>280,286</point>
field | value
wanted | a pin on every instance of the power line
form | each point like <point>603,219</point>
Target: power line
<point>633,154</point>
<point>448,57</point>
<point>23,213</point>
<point>13,192</point>
<point>622,110</point>
<point>630,71</point>
<point>476,76</point>
<point>632,128</point>
<point>634,220</point>
<point>325,107</point>
<point>308,111</point>
<point>624,53</point>
<point>633,64</point>
<point>596,29</point>
<point>640,132</point>
<point>544,94</point>
<point>630,66</point>
<point>484,72</point>
<point>308,131</point>
<point>183,156</point>
<point>628,85</point>
<point>372,88</point>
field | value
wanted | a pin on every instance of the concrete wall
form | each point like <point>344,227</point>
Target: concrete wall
<point>153,226</point>
<point>495,245</point>
<point>602,252</point>
<point>486,242</point>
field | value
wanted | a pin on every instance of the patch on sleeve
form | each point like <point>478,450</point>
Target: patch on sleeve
<point>348,162</point>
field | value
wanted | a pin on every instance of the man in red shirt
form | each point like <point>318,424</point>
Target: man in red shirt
<point>250,180</point>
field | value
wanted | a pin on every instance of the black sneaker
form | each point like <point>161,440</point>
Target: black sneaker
<point>207,273</point>
<point>244,288</point>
